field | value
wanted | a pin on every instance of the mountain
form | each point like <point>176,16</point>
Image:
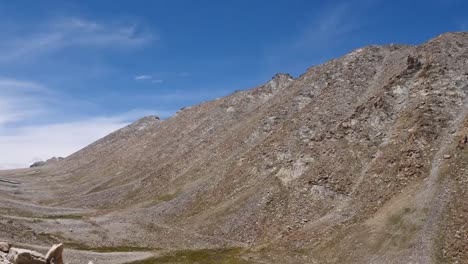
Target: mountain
<point>362,159</point>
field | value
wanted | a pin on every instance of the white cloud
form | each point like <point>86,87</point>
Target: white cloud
<point>143,77</point>
<point>12,84</point>
<point>328,27</point>
<point>323,31</point>
<point>24,141</point>
<point>23,146</point>
<point>72,32</point>
<point>20,100</point>
<point>83,32</point>
<point>150,78</point>
<point>10,110</point>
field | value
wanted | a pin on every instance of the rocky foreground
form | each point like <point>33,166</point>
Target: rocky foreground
<point>13,255</point>
<point>33,254</point>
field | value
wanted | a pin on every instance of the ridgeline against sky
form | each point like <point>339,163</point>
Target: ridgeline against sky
<point>71,72</point>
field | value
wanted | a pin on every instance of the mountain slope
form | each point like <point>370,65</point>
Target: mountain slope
<point>359,160</point>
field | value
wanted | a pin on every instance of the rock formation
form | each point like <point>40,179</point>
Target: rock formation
<point>43,163</point>
<point>13,255</point>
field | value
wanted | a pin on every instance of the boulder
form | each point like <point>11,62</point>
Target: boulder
<point>4,247</point>
<point>25,256</point>
<point>37,164</point>
<point>54,256</point>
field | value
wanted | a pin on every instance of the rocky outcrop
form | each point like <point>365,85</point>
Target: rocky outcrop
<point>280,80</point>
<point>13,255</point>
<point>37,164</point>
<point>49,161</point>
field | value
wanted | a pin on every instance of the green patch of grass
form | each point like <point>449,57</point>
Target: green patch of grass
<point>16,212</point>
<point>56,238</point>
<point>74,217</point>
<point>301,251</point>
<point>78,246</point>
<point>400,228</point>
<point>49,237</point>
<point>166,197</point>
<point>397,219</point>
<point>27,214</point>
<point>202,256</point>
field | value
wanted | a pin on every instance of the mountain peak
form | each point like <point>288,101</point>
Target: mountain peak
<point>280,80</point>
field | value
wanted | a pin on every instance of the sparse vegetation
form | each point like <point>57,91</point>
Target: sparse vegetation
<point>401,228</point>
<point>69,216</point>
<point>78,246</point>
<point>202,256</point>
<point>165,197</point>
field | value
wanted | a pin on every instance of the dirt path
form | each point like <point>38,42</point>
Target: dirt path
<point>9,181</point>
<point>41,209</point>
<point>435,198</point>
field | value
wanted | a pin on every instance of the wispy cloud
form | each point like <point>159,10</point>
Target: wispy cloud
<point>183,74</point>
<point>72,32</point>
<point>326,30</point>
<point>20,100</point>
<point>23,141</point>
<point>78,31</point>
<point>143,77</point>
<point>13,85</point>
<point>25,145</point>
<point>150,78</point>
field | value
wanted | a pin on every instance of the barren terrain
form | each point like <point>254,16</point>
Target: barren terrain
<point>360,160</point>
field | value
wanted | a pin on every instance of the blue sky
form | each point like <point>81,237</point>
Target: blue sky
<point>73,71</point>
